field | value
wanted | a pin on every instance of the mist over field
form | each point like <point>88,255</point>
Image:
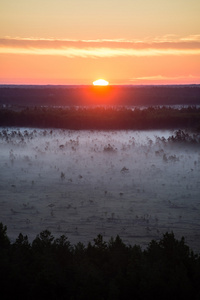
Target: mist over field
<point>138,184</point>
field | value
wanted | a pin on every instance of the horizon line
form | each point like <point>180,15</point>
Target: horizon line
<point>91,85</point>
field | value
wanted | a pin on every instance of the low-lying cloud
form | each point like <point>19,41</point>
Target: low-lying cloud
<point>161,77</point>
<point>101,48</point>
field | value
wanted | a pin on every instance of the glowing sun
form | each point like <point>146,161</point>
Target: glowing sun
<point>100,82</point>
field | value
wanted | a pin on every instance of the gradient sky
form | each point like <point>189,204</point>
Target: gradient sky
<point>79,41</point>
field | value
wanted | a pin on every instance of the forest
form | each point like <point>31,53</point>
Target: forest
<point>53,268</point>
<point>103,118</point>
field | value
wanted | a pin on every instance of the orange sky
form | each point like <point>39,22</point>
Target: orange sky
<point>77,42</point>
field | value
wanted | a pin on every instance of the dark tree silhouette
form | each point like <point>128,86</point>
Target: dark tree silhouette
<point>52,268</point>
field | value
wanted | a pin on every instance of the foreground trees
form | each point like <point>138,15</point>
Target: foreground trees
<point>51,268</point>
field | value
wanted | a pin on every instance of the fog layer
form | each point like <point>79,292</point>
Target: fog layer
<point>82,183</point>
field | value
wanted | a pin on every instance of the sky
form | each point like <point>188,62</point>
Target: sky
<point>79,41</point>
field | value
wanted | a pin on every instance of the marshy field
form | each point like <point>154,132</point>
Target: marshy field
<point>81,183</point>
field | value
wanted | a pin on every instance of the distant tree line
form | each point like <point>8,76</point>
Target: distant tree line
<point>52,268</point>
<point>90,95</point>
<point>103,118</point>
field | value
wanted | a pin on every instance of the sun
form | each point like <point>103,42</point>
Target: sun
<point>101,82</point>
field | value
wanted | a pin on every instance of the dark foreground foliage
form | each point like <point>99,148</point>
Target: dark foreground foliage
<point>102,118</point>
<point>51,268</point>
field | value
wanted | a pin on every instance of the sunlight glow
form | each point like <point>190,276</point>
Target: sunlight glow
<point>101,82</point>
